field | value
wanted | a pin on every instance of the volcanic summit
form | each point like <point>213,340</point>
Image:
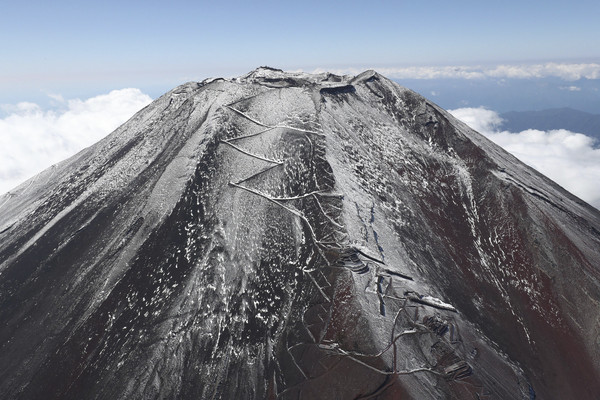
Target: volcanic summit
<point>296,236</point>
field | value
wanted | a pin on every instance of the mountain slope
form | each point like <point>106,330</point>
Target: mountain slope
<point>288,235</point>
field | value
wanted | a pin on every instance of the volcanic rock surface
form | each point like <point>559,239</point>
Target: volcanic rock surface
<point>285,235</point>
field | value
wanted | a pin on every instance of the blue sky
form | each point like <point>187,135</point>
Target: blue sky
<point>73,71</point>
<point>84,47</point>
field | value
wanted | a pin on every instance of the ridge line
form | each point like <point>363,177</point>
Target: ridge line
<point>278,162</point>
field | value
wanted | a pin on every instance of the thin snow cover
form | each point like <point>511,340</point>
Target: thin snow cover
<point>434,301</point>
<point>32,138</point>
<point>569,158</point>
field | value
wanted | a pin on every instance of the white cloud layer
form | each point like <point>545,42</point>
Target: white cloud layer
<point>565,71</point>
<point>32,139</point>
<point>571,88</point>
<point>568,158</point>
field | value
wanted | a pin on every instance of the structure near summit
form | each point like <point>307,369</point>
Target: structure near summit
<point>296,236</point>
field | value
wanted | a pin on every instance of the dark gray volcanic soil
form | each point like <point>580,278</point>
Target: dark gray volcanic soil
<point>291,236</point>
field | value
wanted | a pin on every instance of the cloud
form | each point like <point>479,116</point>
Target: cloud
<point>568,158</point>
<point>481,119</point>
<point>568,72</point>
<point>571,88</point>
<point>440,72</point>
<point>565,71</point>
<point>32,139</point>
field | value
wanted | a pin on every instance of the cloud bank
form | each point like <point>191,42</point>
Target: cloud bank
<point>32,139</point>
<point>568,158</point>
<point>565,71</point>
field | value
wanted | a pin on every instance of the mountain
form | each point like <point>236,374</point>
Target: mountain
<point>286,235</point>
<point>551,119</point>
